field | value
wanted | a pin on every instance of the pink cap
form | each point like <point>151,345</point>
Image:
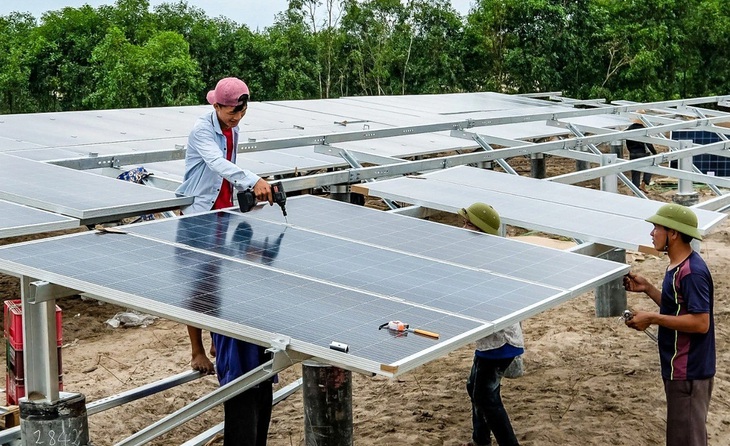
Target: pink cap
<point>227,92</point>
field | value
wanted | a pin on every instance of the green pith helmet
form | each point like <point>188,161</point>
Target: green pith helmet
<point>483,216</point>
<point>677,217</point>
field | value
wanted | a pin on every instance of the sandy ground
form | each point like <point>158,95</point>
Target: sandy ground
<point>587,381</point>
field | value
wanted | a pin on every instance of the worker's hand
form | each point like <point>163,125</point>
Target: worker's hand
<point>262,191</point>
<point>202,364</point>
<point>641,320</point>
<point>636,283</point>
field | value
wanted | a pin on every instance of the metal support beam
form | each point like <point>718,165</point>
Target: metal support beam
<point>279,396</point>
<point>414,211</point>
<point>487,148</point>
<point>42,291</point>
<point>469,123</point>
<point>611,297</point>
<point>609,183</point>
<point>362,157</point>
<point>641,162</point>
<point>282,359</point>
<point>41,350</point>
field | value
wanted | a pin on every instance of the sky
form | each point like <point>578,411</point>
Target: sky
<point>257,14</point>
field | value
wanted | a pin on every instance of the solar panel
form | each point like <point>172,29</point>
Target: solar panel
<point>706,162</point>
<point>18,220</point>
<point>524,261</point>
<point>88,197</point>
<point>586,214</point>
<point>256,278</point>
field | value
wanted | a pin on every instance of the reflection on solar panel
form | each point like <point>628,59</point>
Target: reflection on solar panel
<point>18,220</point>
<point>253,277</point>
<point>88,197</point>
<point>587,214</point>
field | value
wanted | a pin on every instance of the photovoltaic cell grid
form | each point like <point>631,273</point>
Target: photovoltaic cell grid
<point>195,287</point>
<point>707,162</point>
<point>323,258</point>
<point>576,197</point>
<point>247,277</point>
<point>589,215</point>
<point>88,197</point>
<point>18,220</point>
<point>523,261</point>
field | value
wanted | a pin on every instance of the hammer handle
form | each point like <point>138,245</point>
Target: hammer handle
<point>430,334</point>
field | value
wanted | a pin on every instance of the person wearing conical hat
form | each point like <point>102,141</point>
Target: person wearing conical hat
<point>494,357</point>
<point>686,333</point>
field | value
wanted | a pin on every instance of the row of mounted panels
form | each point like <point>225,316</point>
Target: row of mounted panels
<point>92,199</point>
<point>585,214</point>
<point>335,272</point>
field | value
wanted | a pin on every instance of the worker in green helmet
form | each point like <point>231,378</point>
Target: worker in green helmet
<point>686,334</point>
<point>493,357</point>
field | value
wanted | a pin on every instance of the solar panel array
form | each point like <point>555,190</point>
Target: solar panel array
<point>582,213</point>
<point>90,198</point>
<point>326,276</point>
<point>67,135</point>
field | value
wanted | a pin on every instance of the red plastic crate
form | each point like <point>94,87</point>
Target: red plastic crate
<point>14,359</point>
<point>13,324</point>
<point>15,388</point>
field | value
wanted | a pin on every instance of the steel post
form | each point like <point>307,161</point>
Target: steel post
<point>327,393</point>
<point>611,297</point>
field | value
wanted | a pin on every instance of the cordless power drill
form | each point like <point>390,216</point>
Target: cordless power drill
<point>247,200</point>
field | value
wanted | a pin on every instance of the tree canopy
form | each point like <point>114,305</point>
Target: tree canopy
<point>130,55</point>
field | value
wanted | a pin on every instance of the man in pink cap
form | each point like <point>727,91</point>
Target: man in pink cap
<point>211,174</point>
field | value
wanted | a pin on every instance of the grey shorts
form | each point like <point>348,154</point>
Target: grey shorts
<point>687,406</point>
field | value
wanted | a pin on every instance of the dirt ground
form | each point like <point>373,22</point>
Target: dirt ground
<point>587,381</point>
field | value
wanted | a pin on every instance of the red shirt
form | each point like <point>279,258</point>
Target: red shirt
<point>225,197</point>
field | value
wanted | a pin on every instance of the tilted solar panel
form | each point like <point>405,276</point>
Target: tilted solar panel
<point>572,211</point>
<point>253,277</point>
<point>18,220</point>
<point>88,197</point>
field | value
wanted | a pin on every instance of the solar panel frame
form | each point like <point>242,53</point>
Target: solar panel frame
<point>17,220</point>
<point>596,216</point>
<point>327,328</point>
<point>120,268</point>
<point>90,198</point>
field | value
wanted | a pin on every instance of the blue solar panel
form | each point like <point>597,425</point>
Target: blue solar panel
<point>254,277</point>
<point>706,162</point>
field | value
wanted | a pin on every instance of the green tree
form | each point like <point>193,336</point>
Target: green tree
<point>158,73</point>
<point>15,48</point>
<point>433,62</point>
<point>59,52</point>
<point>288,69</point>
<point>377,42</point>
<point>212,42</point>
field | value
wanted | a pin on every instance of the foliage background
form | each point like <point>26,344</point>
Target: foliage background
<point>129,55</point>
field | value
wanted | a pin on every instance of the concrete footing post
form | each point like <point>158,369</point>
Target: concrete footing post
<point>327,396</point>
<point>581,165</point>
<point>537,165</point>
<point>686,199</point>
<point>617,148</point>
<point>63,422</point>
<point>686,194</point>
<point>340,192</point>
<point>611,297</point>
